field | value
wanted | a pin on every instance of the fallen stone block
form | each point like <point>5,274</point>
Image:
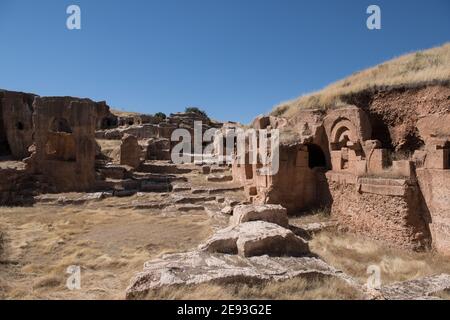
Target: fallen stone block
<point>193,268</point>
<point>269,212</point>
<point>256,238</point>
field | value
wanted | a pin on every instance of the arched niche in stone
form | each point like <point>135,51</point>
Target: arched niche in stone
<point>342,132</point>
<point>347,129</point>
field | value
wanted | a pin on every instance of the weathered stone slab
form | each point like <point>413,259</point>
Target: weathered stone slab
<point>256,238</point>
<point>194,268</point>
<point>269,212</point>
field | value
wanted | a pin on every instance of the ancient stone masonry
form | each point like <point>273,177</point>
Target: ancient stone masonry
<point>65,146</point>
<point>47,144</point>
<point>300,181</point>
<point>156,133</point>
<point>380,181</point>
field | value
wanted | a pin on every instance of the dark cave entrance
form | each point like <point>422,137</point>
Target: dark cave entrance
<point>4,145</point>
<point>316,156</point>
<point>108,123</point>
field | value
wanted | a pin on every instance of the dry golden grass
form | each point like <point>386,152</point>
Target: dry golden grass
<point>293,289</point>
<point>432,65</point>
<point>353,254</point>
<point>109,245</point>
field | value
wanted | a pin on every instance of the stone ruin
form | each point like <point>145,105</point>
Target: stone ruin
<point>50,145</point>
<point>387,180</point>
<point>46,144</point>
<point>379,180</point>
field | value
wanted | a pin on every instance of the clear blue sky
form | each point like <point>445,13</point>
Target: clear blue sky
<point>233,58</point>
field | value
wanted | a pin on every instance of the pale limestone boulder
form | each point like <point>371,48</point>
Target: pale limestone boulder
<point>192,268</point>
<point>256,238</point>
<point>268,212</point>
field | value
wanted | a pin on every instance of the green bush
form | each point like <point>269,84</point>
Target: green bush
<point>160,115</point>
<point>195,110</point>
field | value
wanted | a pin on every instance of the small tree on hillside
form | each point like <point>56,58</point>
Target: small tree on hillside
<point>196,110</point>
<point>160,115</point>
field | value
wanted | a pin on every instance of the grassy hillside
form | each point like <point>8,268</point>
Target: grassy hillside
<point>412,69</point>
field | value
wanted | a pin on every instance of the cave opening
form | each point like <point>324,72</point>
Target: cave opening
<point>108,123</point>
<point>20,126</point>
<point>4,144</point>
<point>316,156</point>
